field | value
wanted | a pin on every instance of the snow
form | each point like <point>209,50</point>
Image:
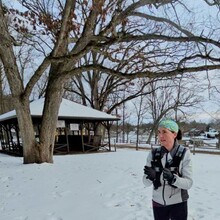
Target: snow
<point>97,186</point>
<point>68,109</point>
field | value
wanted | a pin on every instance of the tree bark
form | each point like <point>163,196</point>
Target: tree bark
<point>53,100</point>
<point>30,146</point>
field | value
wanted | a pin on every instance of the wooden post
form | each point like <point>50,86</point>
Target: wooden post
<point>67,139</point>
<point>109,139</point>
<point>81,128</point>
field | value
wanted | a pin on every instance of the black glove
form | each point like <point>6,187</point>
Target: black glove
<point>150,172</point>
<point>168,176</point>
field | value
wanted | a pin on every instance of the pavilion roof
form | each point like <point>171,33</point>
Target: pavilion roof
<point>68,110</point>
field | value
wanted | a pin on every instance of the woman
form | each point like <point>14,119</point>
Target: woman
<point>169,169</point>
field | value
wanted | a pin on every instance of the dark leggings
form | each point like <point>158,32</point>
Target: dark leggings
<point>171,212</point>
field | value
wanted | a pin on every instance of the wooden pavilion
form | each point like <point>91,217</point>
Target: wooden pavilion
<point>76,128</point>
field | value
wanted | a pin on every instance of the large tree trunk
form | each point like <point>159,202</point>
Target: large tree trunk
<point>42,151</point>
<point>49,120</point>
<point>30,146</point>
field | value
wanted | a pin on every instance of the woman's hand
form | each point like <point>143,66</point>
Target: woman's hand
<point>150,172</point>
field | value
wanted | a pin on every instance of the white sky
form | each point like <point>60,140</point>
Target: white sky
<point>96,187</point>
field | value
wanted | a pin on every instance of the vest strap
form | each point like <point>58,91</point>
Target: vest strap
<point>173,165</point>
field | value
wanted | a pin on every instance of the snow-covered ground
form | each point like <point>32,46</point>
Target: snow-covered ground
<point>97,186</point>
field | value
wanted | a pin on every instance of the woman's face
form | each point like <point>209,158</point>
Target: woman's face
<point>166,138</point>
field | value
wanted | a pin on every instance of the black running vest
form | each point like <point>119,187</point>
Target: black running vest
<point>173,164</point>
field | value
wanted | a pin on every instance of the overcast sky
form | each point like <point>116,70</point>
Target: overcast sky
<point>207,110</point>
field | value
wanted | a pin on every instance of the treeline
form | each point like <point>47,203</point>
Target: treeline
<point>145,128</point>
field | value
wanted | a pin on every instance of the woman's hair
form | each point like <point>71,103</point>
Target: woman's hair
<point>179,135</point>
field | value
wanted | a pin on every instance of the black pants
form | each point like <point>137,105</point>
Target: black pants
<point>171,212</point>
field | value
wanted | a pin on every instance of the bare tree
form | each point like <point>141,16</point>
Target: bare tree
<point>171,100</point>
<point>141,108</point>
<point>66,32</point>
